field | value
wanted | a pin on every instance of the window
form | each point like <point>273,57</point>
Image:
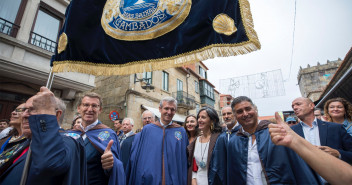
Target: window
<point>202,72</point>
<point>11,12</point>
<point>165,81</point>
<point>207,90</point>
<point>179,85</point>
<point>46,28</point>
<point>148,77</point>
<point>196,86</point>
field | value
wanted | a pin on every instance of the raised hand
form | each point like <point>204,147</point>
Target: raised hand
<point>44,102</point>
<point>107,159</point>
<point>281,133</point>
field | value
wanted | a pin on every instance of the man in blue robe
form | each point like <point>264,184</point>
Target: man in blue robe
<point>159,155</point>
<point>252,158</point>
<point>56,159</point>
<point>101,144</point>
<point>216,174</point>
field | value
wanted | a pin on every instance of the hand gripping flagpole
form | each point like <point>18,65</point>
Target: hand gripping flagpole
<point>29,153</point>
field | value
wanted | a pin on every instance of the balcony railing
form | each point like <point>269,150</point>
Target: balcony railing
<point>8,27</point>
<point>42,42</point>
<point>184,99</point>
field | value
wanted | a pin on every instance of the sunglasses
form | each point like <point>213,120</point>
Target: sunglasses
<point>291,122</point>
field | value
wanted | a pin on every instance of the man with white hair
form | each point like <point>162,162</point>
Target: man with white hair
<point>127,140</point>
<point>127,125</point>
<point>148,117</point>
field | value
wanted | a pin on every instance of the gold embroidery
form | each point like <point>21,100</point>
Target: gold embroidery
<point>62,43</point>
<point>146,25</point>
<point>211,51</point>
<point>224,24</point>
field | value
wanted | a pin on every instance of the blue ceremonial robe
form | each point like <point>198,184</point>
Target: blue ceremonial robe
<point>217,169</point>
<point>159,156</point>
<point>56,159</point>
<point>99,137</point>
<point>281,165</point>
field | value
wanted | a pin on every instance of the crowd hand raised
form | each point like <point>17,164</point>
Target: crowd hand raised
<point>281,133</point>
<point>330,151</point>
<point>44,102</point>
<point>107,159</point>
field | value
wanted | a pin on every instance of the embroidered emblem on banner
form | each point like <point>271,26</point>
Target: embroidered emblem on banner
<point>62,43</point>
<point>103,135</point>
<point>143,19</point>
<point>224,24</point>
<point>73,135</point>
<point>178,135</point>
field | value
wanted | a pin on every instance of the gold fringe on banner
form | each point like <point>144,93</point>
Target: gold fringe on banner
<point>208,52</point>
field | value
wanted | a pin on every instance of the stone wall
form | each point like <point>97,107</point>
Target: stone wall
<point>313,80</point>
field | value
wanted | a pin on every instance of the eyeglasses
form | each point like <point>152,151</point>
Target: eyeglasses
<point>87,105</point>
<point>291,122</point>
<point>21,109</point>
<point>146,118</point>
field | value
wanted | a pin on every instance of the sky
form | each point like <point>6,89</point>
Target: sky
<point>323,32</point>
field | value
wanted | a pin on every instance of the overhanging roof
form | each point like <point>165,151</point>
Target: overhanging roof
<point>177,117</point>
<point>340,85</point>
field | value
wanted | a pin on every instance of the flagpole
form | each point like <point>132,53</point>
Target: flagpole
<point>50,79</point>
<point>29,152</point>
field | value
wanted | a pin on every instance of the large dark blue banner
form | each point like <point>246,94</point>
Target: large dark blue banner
<point>118,37</point>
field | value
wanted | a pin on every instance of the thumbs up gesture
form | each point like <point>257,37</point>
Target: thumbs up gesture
<point>107,159</point>
<point>281,133</point>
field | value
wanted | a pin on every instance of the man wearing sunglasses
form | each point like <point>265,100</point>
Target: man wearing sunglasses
<point>291,121</point>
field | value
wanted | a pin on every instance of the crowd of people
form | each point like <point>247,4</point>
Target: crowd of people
<point>311,148</point>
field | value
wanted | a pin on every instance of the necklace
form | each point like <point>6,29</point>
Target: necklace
<point>202,164</point>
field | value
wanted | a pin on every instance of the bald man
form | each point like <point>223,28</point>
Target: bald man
<point>331,138</point>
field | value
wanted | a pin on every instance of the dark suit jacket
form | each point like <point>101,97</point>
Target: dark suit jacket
<point>334,136</point>
<point>126,150</point>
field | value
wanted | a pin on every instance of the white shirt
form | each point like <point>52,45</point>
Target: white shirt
<point>162,124</point>
<point>201,154</point>
<point>88,128</point>
<point>255,173</point>
<point>125,136</point>
<point>229,133</point>
<point>311,134</point>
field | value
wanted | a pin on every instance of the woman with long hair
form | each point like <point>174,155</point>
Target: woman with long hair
<point>201,150</point>
<point>339,110</point>
<point>191,127</point>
